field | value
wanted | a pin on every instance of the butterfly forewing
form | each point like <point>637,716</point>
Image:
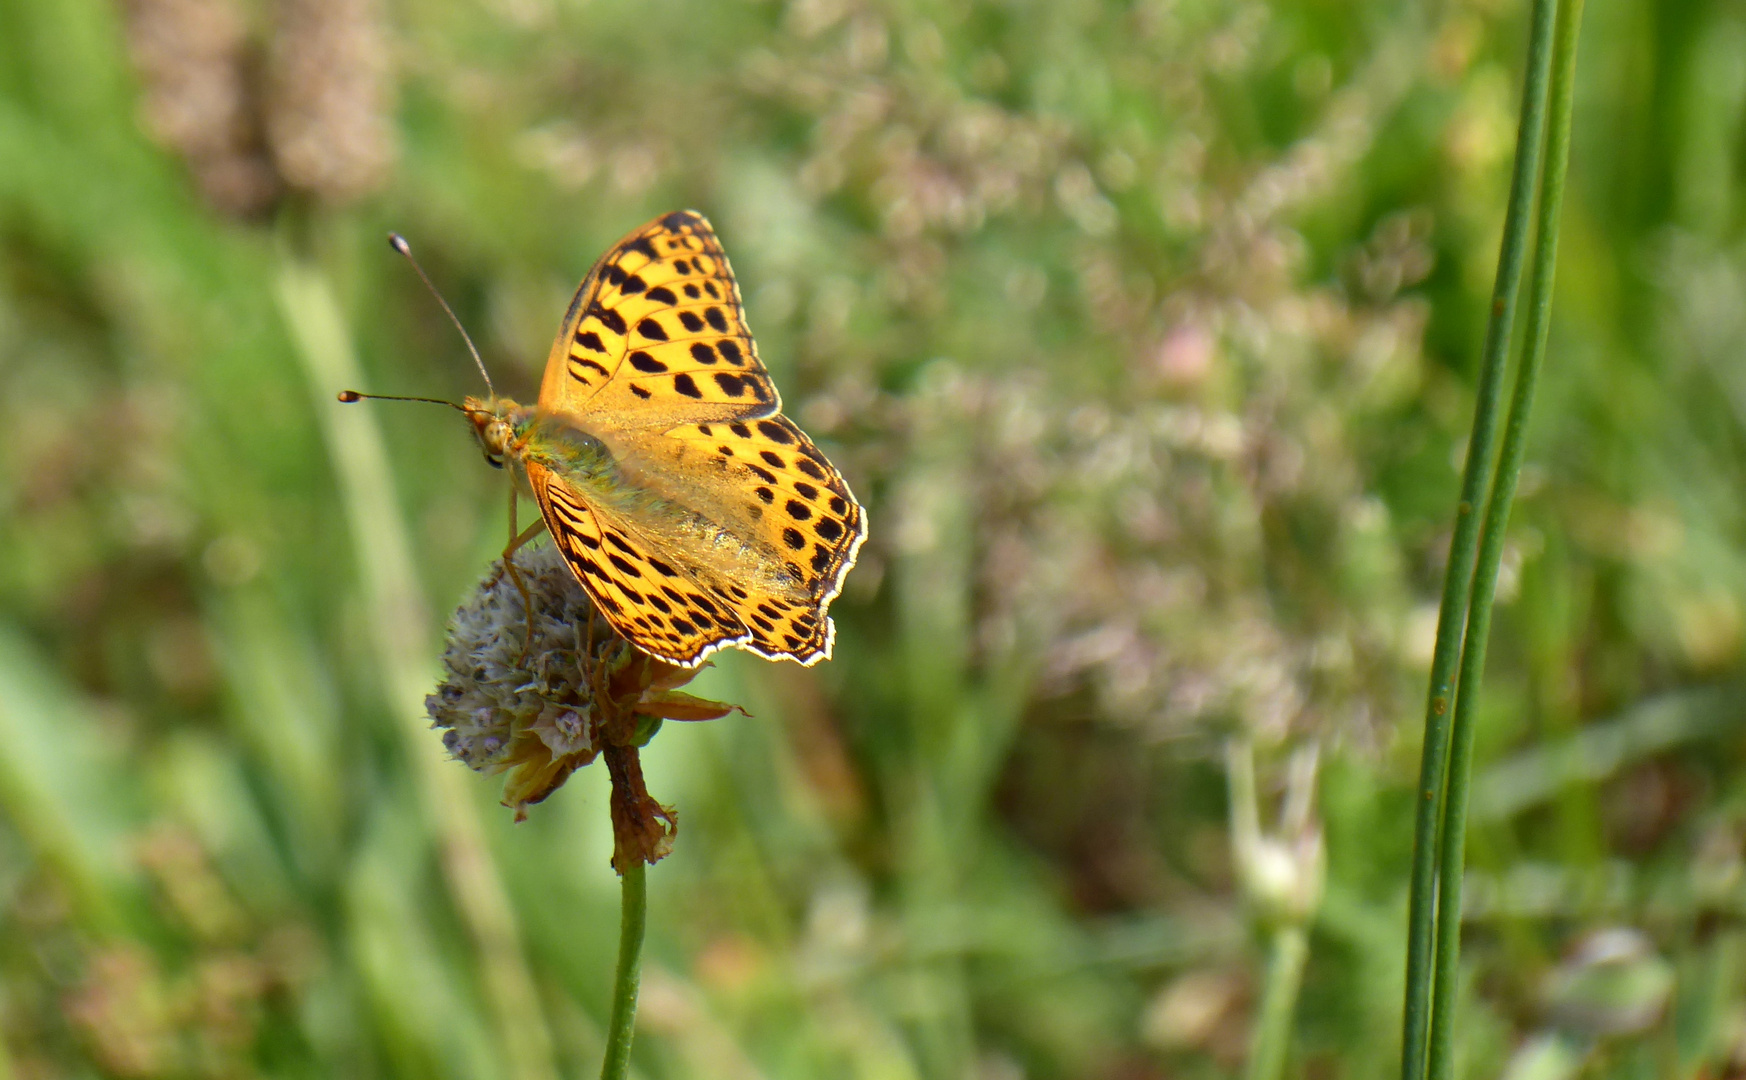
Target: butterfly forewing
<point>720,522</point>
<point>657,332</point>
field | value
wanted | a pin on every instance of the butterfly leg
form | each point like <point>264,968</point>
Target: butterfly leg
<point>516,540</point>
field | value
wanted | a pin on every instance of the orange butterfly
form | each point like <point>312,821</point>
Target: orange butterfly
<point>693,512</point>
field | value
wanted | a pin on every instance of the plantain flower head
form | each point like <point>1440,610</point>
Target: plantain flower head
<point>539,688</point>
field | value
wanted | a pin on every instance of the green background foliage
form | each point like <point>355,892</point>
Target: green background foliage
<point>1146,333</point>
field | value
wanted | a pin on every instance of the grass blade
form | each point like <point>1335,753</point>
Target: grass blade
<point>1497,513</point>
<point>1452,612</point>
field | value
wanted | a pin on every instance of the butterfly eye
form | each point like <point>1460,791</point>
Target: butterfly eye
<point>496,439</point>
<point>494,461</point>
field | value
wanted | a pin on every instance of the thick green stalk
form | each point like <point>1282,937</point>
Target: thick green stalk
<point>622,1026</point>
<point>1497,514</point>
<point>1457,578</point>
<point>1278,1002</point>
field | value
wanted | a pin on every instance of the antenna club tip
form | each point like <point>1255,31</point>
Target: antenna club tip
<point>349,396</point>
<point>398,243</point>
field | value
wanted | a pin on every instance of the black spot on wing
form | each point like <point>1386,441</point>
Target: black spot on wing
<point>608,318</point>
<point>651,329</point>
<point>691,321</point>
<point>687,386</point>
<point>642,361</point>
<point>775,432</point>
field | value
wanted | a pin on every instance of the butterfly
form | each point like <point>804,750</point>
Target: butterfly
<point>693,512</point>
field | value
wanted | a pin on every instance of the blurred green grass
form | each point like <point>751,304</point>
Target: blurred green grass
<point>1145,331</point>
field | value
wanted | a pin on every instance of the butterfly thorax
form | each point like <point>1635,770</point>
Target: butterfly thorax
<point>522,433</point>
<point>563,448</point>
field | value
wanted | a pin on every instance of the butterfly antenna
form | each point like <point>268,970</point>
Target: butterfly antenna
<point>350,396</point>
<point>398,243</point>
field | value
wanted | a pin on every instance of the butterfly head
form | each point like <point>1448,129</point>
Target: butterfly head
<point>495,422</point>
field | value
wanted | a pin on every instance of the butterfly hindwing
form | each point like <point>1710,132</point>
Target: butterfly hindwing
<point>649,601</point>
<point>793,512</point>
<point>657,331</point>
<point>755,536</point>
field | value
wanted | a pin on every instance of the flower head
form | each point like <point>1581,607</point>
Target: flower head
<point>539,687</point>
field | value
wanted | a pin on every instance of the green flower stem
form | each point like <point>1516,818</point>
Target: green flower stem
<point>1278,1002</point>
<point>1458,577</point>
<point>1497,513</point>
<point>622,1026</point>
